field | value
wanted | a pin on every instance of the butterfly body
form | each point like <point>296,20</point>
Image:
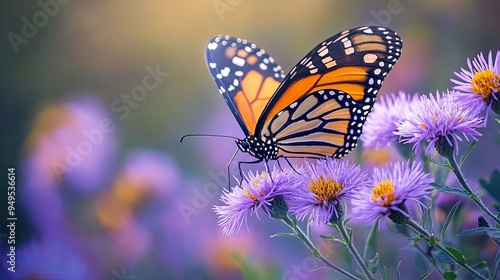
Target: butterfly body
<point>265,148</point>
<point>318,108</point>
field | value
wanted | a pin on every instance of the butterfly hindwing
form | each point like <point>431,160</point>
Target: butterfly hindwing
<point>354,61</point>
<point>326,122</point>
<point>246,76</point>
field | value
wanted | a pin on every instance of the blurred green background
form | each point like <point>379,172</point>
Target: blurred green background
<point>64,65</point>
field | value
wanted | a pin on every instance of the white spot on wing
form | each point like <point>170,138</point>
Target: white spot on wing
<point>212,46</point>
<point>225,72</point>
<point>369,58</point>
<point>238,61</point>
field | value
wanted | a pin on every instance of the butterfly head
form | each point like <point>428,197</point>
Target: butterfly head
<point>260,148</point>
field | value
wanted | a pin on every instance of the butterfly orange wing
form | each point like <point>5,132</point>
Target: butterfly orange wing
<point>246,76</point>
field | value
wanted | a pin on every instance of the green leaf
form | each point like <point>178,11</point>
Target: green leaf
<point>397,270</point>
<point>429,215</point>
<point>469,149</point>
<point>443,257</point>
<point>373,264</point>
<point>294,221</point>
<point>493,232</point>
<point>493,186</point>
<point>447,189</point>
<point>285,234</point>
<point>480,264</point>
<point>432,240</point>
<point>438,163</point>
<point>417,238</point>
<point>385,273</point>
<point>370,241</point>
<point>316,253</point>
<point>332,238</point>
<point>426,222</point>
<point>497,264</point>
<point>426,274</point>
<point>449,275</point>
<point>450,216</point>
<point>457,254</point>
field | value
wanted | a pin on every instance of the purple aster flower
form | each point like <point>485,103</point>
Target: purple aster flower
<point>380,126</point>
<point>391,187</point>
<point>323,186</point>
<point>256,191</point>
<point>437,117</point>
<point>479,86</point>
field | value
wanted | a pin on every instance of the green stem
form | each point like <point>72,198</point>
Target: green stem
<point>348,241</point>
<point>418,229</point>
<point>302,236</point>
<point>467,188</point>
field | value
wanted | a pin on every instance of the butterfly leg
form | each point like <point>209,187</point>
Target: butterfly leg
<point>279,164</point>
<point>269,170</point>
<point>229,170</point>
<point>291,166</point>
<point>246,162</point>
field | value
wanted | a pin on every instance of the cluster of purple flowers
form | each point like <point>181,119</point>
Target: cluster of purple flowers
<point>447,115</point>
<point>317,190</point>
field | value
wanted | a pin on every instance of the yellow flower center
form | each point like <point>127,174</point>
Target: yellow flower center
<point>255,184</point>
<point>325,189</point>
<point>485,83</point>
<point>383,193</point>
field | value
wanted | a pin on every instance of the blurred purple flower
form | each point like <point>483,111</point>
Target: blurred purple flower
<point>154,172</point>
<point>323,185</point>
<point>72,143</point>
<point>43,201</point>
<point>391,187</point>
<point>131,206</point>
<point>380,126</point>
<point>437,117</point>
<point>479,86</point>
<point>256,191</point>
<point>94,147</point>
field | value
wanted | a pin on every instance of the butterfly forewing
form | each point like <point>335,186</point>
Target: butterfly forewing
<point>321,105</point>
<point>246,76</point>
<point>354,61</point>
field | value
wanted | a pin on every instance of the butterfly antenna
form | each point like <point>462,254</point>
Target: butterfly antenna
<point>208,135</point>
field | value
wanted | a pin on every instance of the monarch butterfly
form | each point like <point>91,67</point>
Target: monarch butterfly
<point>319,108</point>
